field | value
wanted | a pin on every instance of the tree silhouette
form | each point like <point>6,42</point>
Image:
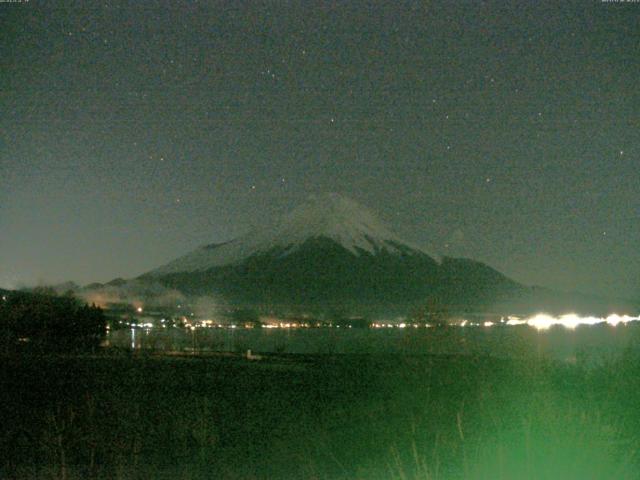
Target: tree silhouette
<point>45,321</point>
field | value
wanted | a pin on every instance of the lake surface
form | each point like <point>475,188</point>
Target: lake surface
<point>595,343</point>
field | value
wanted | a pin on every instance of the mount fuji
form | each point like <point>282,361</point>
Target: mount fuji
<point>331,217</point>
<point>331,252</point>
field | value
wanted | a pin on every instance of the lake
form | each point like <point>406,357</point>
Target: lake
<point>595,343</point>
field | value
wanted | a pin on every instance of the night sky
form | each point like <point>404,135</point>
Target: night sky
<point>508,132</point>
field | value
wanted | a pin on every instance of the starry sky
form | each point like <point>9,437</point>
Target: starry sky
<point>504,131</point>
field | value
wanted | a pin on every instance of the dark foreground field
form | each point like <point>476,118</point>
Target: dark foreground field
<point>321,417</point>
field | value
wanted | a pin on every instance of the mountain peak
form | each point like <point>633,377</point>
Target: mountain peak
<point>330,215</point>
<point>335,217</point>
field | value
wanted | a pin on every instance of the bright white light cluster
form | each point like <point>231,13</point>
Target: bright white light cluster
<point>571,320</point>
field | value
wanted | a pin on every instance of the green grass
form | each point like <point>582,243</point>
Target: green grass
<point>318,417</point>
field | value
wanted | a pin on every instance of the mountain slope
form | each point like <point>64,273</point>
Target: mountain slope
<point>331,252</point>
<point>329,216</point>
<point>318,272</point>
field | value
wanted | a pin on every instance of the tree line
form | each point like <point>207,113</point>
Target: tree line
<point>42,320</point>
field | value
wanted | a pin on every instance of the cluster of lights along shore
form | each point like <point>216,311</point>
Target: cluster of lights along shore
<point>539,321</point>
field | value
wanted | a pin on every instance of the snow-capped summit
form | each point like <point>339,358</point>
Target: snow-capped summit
<point>331,252</point>
<point>335,217</point>
<point>329,216</point>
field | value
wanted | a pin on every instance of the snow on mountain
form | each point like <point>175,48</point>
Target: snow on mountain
<point>331,216</point>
